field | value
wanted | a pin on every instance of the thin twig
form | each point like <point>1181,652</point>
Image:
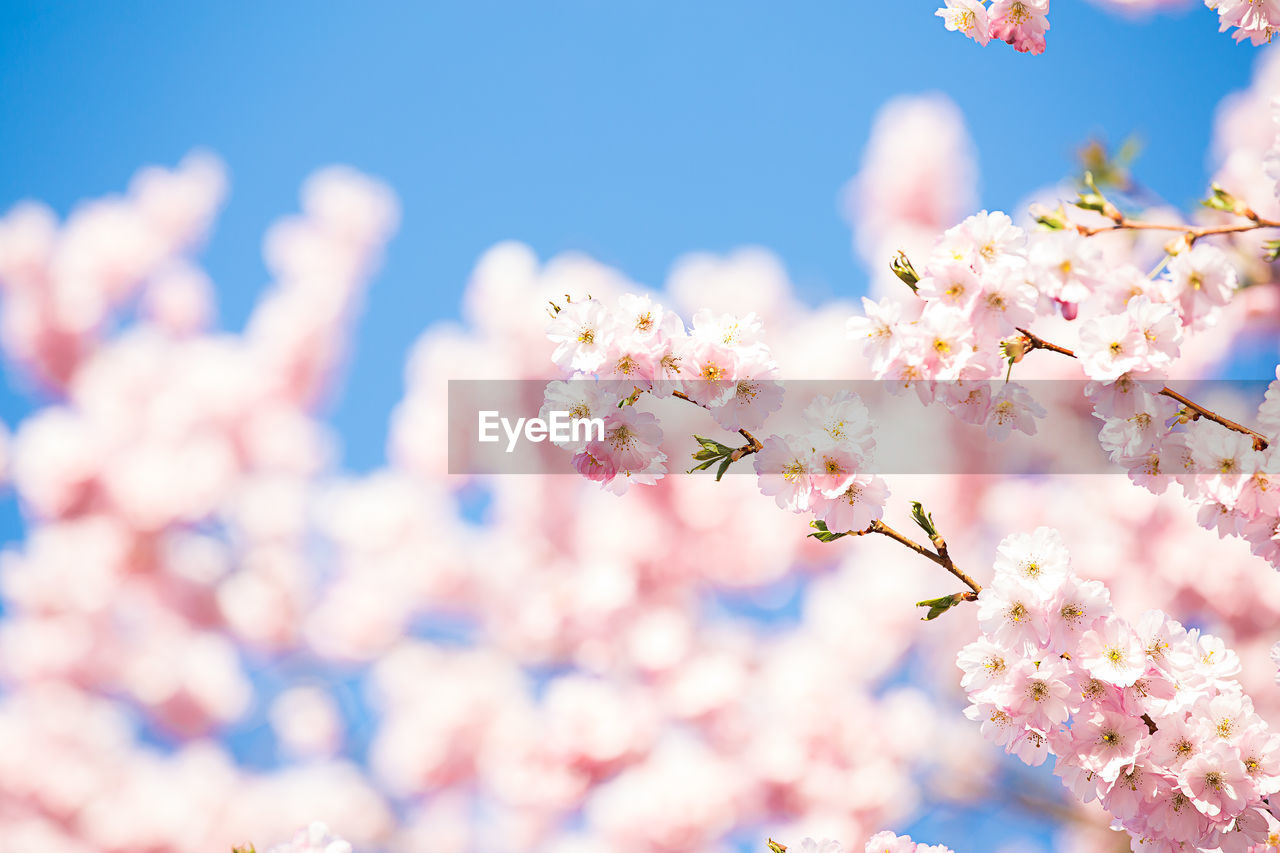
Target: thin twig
<point>753,444</point>
<point>1193,233</point>
<point>1260,441</point>
<point>942,559</point>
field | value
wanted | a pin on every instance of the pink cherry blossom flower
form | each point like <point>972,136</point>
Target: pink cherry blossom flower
<point>1113,653</point>
<point>952,284</point>
<point>834,466</point>
<point>1216,781</point>
<point>984,664</point>
<point>1038,559</point>
<point>968,17</point>
<point>1013,613</point>
<point>1260,754</point>
<point>708,370</point>
<point>582,332</point>
<point>1112,346</point>
<point>1068,267</point>
<point>878,328</point>
<point>1039,694</point>
<point>1076,608</point>
<point>844,418</point>
<point>1007,300</point>
<point>1108,741</point>
<point>854,507</point>
<point>756,395</point>
<point>1160,328</point>
<point>1021,23</point>
<point>1203,281</point>
<point>1256,20</point>
<point>1013,408</point>
<point>1133,790</point>
<point>783,466</point>
<point>998,725</point>
<point>980,240</point>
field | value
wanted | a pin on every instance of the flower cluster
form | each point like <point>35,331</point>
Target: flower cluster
<point>722,365</point>
<point>1144,716</point>
<point>977,287</point>
<point>1227,475</point>
<point>821,470</point>
<point>1255,20</point>
<point>1021,23</point>
<point>881,842</point>
<point>987,279</point>
<point>612,356</point>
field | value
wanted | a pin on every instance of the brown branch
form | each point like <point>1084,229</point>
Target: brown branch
<point>1260,441</point>
<point>753,444</point>
<point>941,557</point>
<point>1037,342</point>
<point>1193,233</point>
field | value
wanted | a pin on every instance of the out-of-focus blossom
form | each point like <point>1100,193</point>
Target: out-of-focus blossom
<point>918,175</point>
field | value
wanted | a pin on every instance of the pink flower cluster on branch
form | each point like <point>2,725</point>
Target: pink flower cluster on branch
<point>986,279</point>
<point>721,364</point>
<point>1023,23</point>
<point>1144,716</point>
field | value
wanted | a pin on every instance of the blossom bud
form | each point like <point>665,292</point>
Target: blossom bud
<point>1222,200</point>
<point>903,269</point>
<point>1052,220</point>
<point>1015,348</point>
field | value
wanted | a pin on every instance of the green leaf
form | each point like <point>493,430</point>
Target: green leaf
<point>710,445</point>
<point>724,466</point>
<point>1051,220</point>
<point>925,520</point>
<point>1107,169</point>
<point>1220,199</point>
<point>1272,248</point>
<point>823,534</point>
<point>775,847</point>
<point>937,606</point>
<point>1093,199</point>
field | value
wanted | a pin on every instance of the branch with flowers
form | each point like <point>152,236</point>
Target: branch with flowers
<point>1023,24</point>
<point>1193,409</point>
<point>987,279</point>
<point>1145,715</point>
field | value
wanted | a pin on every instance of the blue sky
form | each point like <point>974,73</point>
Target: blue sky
<point>632,131</point>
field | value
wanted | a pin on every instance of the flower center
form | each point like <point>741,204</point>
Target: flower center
<point>621,437</point>
<point>1071,613</point>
